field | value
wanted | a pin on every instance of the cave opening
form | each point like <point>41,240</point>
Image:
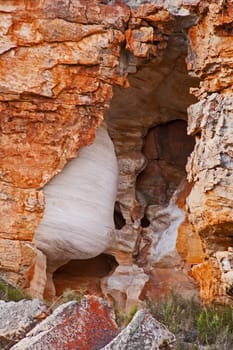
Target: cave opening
<point>166,149</point>
<point>84,275</point>
<point>147,123</point>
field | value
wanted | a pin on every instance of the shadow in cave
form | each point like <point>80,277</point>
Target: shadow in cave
<point>84,275</point>
<point>166,148</point>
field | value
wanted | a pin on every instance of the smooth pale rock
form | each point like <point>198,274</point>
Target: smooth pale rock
<point>89,325</point>
<point>18,318</point>
<point>164,252</point>
<point>38,277</point>
<point>143,332</point>
<point>78,219</point>
<point>125,286</point>
<point>167,270</point>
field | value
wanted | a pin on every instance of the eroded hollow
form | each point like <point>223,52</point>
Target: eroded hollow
<point>147,124</point>
<point>84,275</point>
<point>166,148</point>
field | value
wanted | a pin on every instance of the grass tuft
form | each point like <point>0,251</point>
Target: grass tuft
<point>68,295</point>
<point>123,319</point>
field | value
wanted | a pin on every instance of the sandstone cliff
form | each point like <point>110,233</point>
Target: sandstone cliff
<point>67,65</point>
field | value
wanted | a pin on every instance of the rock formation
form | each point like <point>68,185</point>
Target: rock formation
<point>78,218</point>
<point>209,205</point>
<point>64,66</point>
<point>18,318</point>
<point>143,332</point>
<point>86,325</point>
<point>57,66</point>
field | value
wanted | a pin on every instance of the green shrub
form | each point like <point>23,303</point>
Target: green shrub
<point>123,319</point>
<point>10,293</point>
<point>215,325</point>
<point>194,324</point>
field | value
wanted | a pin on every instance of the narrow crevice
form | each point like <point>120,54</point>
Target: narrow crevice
<point>118,217</point>
<point>145,222</point>
<point>166,149</point>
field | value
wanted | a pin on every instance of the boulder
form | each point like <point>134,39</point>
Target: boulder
<point>18,318</point>
<point>88,325</point>
<point>143,332</point>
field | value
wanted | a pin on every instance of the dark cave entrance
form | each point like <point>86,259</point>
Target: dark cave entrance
<point>84,275</point>
<point>166,148</point>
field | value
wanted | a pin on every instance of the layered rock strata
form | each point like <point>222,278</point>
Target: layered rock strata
<point>209,205</point>
<point>57,65</point>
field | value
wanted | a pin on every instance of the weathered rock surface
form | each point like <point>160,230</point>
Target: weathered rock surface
<point>166,159</point>
<point>86,326</point>
<point>124,286</point>
<point>209,205</point>
<point>143,332</point>
<point>58,63</point>
<point>148,173</point>
<point>18,318</point>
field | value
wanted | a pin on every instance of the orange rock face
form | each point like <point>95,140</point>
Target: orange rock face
<point>55,84</point>
<point>209,205</point>
<point>59,61</point>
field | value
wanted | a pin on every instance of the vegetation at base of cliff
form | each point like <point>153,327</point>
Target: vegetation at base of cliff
<point>10,293</point>
<point>123,318</point>
<point>68,295</point>
<point>194,325</point>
